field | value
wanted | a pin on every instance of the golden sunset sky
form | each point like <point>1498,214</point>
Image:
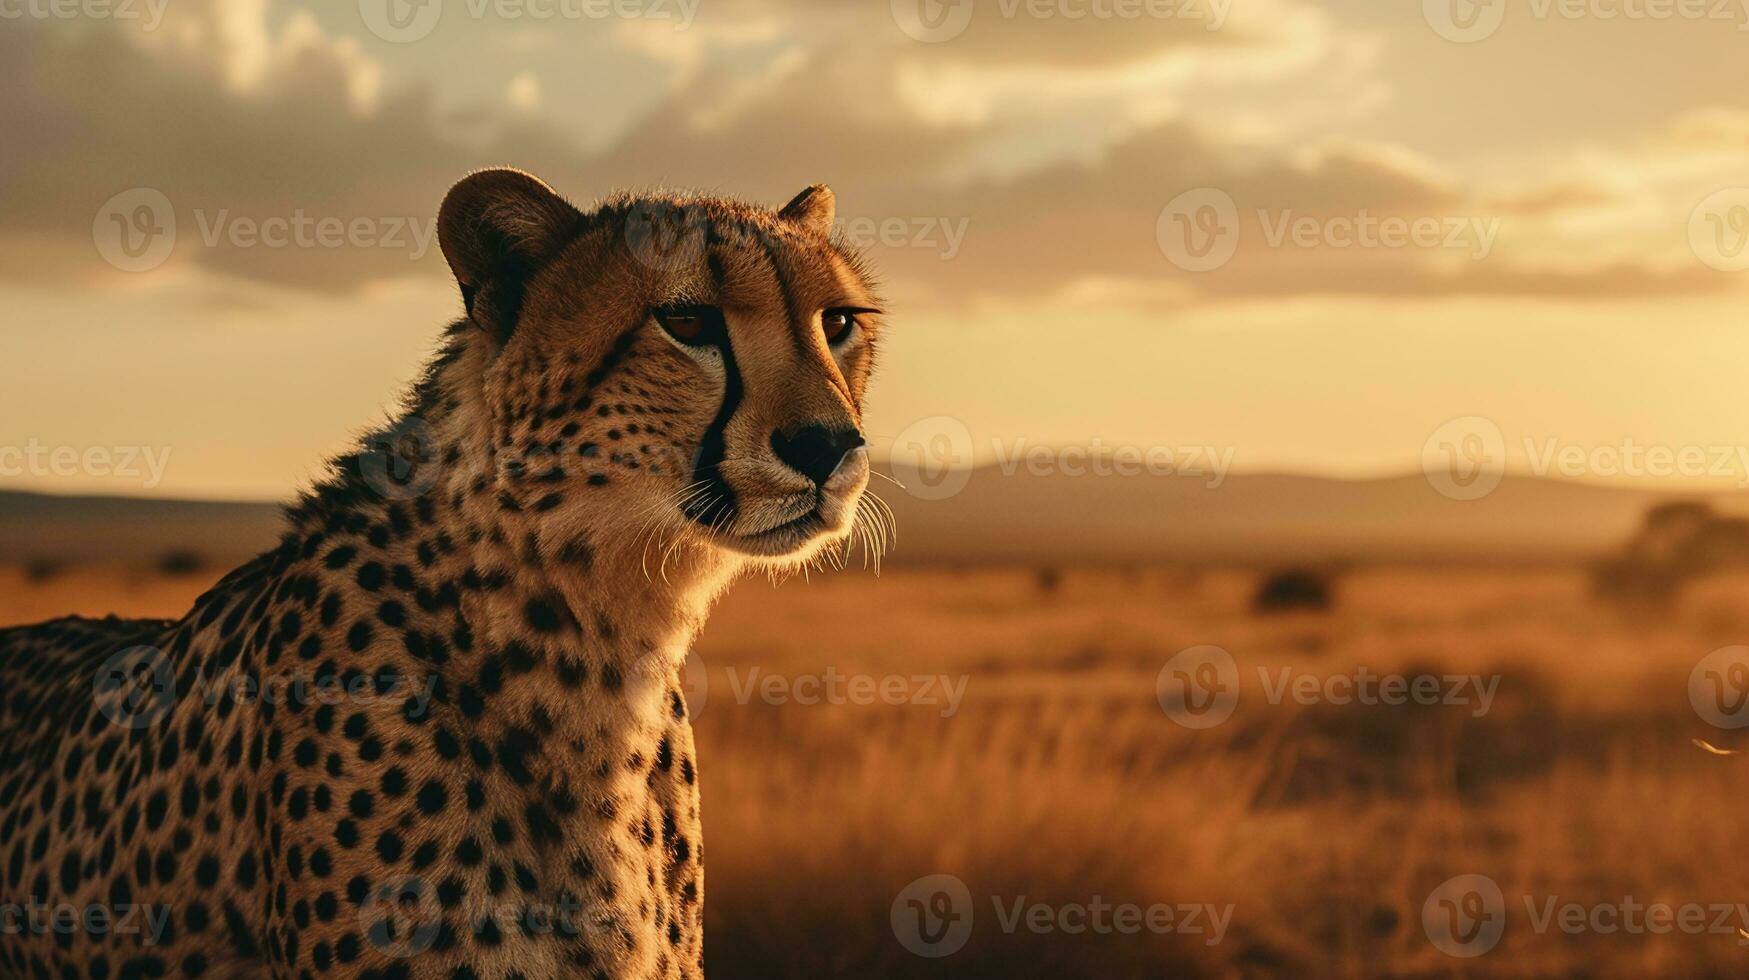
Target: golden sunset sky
<point>1138,223</point>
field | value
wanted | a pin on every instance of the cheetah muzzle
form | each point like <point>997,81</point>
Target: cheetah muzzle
<point>440,731</point>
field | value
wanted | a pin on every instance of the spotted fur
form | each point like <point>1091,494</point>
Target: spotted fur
<point>440,731</point>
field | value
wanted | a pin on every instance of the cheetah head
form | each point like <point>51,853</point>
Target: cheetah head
<point>689,364</point>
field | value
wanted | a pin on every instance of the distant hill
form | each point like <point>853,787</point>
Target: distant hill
<point>132,529</point>
<point>997,517</point>
<point>1264,517</point>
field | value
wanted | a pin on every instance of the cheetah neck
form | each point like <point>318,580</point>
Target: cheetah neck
<point>586,599</point>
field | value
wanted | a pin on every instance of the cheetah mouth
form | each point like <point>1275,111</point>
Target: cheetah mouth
<point>796,522</point>
<point>790,536</point>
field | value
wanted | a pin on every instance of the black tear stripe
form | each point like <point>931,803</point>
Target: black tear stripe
<point>715,502</point>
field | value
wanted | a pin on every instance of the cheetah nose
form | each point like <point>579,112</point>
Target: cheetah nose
<point>815,451</point>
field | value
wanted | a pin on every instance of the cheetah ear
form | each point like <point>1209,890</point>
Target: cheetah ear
<point>496,227</point>
<point>813,209</point>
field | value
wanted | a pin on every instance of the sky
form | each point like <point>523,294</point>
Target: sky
<point>1317,237</point>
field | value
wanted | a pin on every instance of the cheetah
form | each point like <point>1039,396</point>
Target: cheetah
<point>441,731</point>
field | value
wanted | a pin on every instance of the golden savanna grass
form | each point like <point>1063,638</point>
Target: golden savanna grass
<point>1060,777</point>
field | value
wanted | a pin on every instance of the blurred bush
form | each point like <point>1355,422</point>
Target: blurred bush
<point>181,561</point>
<point>1049,579</point>
<point>41,568</point>
<point>1295,590</point>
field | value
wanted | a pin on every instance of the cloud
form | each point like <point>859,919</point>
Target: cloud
<point>963,184</point>
<point>106,114</point>
<point>523,92</point>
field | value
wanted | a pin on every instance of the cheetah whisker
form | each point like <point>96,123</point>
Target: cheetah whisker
<point>657,515</point>
<point>874,472</point>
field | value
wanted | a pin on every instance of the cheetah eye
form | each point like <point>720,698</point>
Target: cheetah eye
<point>694,325</point>
<point>836,324</point>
